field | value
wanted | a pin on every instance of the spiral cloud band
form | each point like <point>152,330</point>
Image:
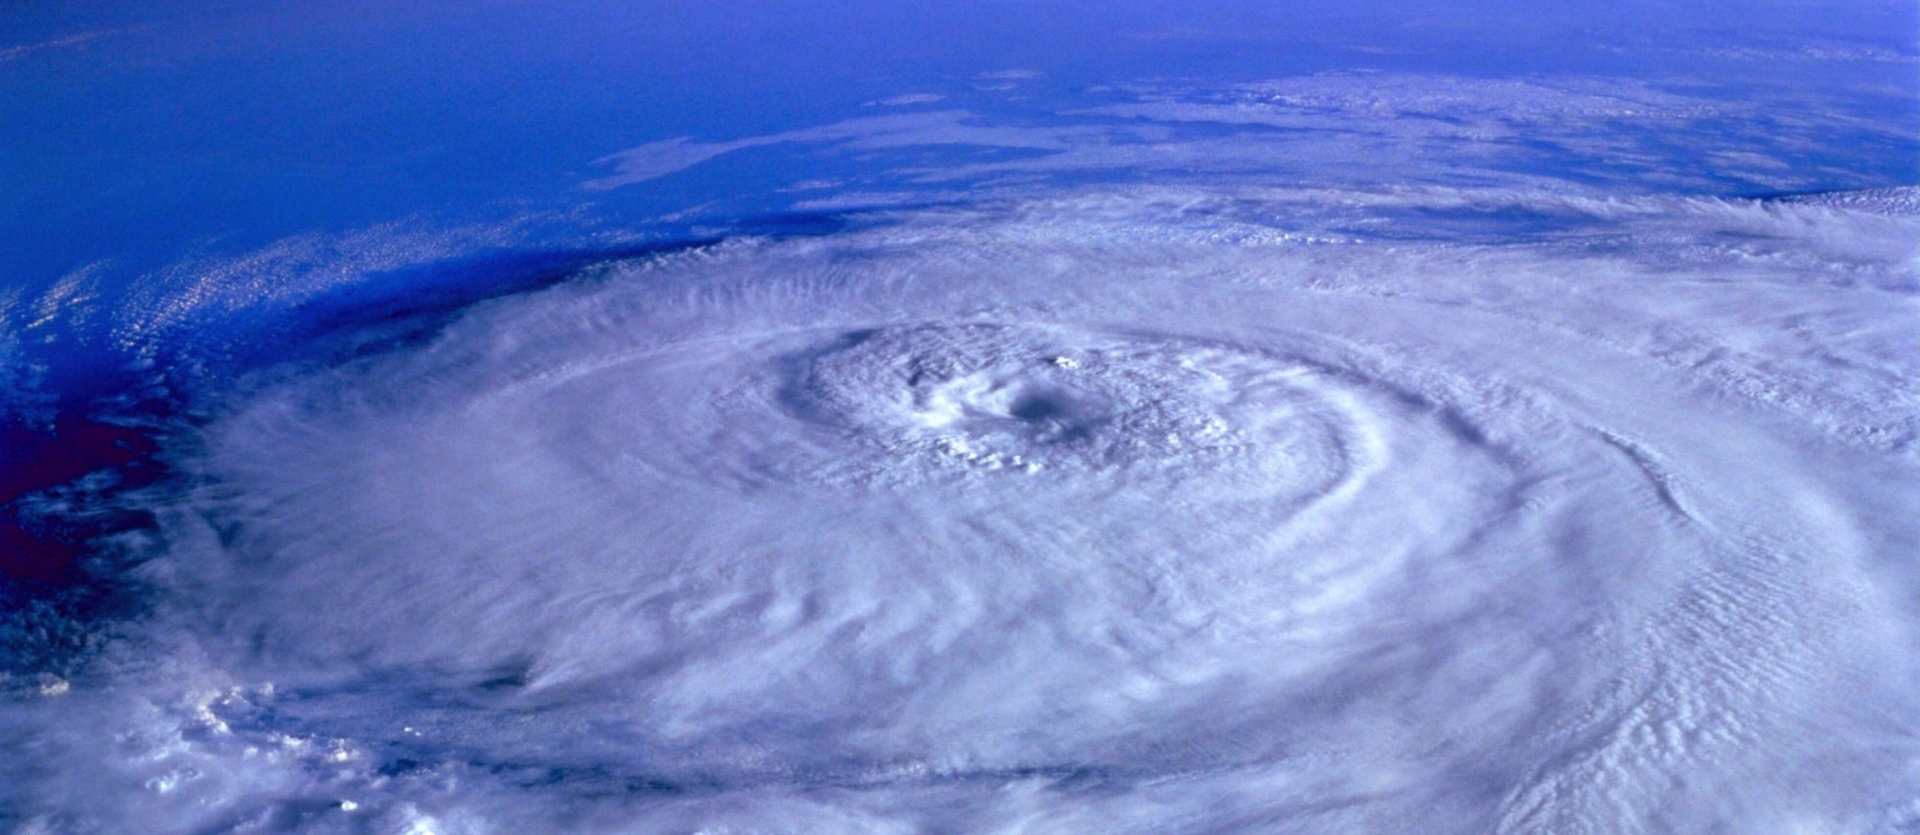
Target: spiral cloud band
<point>1142,510</point>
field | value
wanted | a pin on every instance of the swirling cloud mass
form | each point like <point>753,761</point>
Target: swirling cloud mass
<point>1447,417</point>
<point>1132,510</point>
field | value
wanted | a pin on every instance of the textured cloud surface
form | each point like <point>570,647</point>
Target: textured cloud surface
<point>1146,510</point>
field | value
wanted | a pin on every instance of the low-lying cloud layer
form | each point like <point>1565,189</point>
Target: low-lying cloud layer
<point>1366,128</point>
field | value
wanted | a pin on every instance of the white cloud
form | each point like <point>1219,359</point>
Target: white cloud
<point>1385,496</point>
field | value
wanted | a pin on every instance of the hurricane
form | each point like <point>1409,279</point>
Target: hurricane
<point>1228,490</point>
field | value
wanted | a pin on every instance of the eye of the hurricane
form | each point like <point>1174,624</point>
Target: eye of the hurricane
<point>1039,408</point>
<point>987,405</point>
<point>913,404</point>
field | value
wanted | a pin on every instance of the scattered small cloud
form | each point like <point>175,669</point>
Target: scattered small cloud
<point>14,53</point>
<point>1004,79</point>
<point>944,127</point>
<point>910,98</point>
<point>813,185</point>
